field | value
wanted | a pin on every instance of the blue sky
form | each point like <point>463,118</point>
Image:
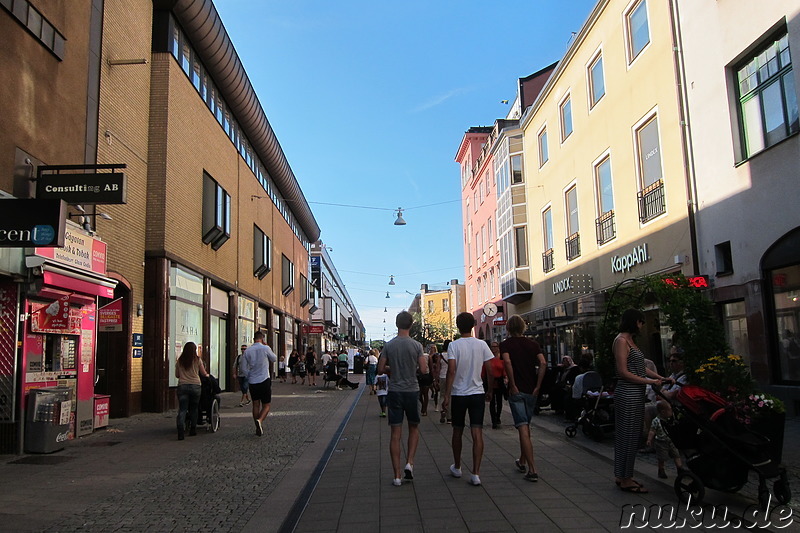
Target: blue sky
<point>370,99</point>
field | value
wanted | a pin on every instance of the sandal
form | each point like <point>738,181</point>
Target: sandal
<point>521,467</point>
<point>635,489</point>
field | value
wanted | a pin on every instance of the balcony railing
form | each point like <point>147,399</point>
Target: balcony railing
<point>651,201</point>
<point>605,227</point>
<point>573,243</point>
<point>548,263</point>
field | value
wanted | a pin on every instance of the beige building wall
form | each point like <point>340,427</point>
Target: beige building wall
<point>634,91</point>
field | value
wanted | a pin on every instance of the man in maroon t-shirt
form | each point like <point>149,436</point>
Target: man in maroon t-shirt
<point>525,367</point>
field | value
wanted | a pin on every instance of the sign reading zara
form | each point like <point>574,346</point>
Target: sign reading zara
<point>27,222</point>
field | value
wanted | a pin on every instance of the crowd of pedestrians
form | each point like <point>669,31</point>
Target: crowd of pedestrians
<point>466,375</point>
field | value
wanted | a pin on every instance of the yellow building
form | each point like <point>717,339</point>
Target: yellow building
<point>439,308</point>
<point>605,174</point>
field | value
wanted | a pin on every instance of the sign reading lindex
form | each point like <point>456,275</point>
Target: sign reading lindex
<point>90,188</point>
<point>80,251</point>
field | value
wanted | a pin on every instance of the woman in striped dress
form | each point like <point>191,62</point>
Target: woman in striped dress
<point>629,397</point>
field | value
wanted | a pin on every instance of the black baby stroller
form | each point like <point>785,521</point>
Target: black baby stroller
<point>209,404</point>
<point>721,450</point>
<point>597,415</point>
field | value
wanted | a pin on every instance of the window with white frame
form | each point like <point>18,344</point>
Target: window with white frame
<point>597,84</point>
<point>547,228</point>
<point>605,191</point>
<point>767,96</point>
<point>475,201</point>
<point>516,169</point>
<point>521,246</point>
<point>492,288</point>
<point>543,152</point>
<point>490,235</point>
<point>571,200</point>
<point>637,28</point>
<point>431,306</point>
<point>565,112</point>
<point>649,152</point>
<point>446,304</point>
<point>484,241</point>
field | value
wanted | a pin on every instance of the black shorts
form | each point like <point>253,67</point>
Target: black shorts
<point>475,404</point>
<point>261,392</point>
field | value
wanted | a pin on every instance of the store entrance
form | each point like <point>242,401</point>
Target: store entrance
<point>112,360</point>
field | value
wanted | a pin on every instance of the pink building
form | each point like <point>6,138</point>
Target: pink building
<point>491,156</point>
<point>481,254</point>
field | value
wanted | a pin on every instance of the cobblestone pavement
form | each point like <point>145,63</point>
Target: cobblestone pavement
<point>136,475</point>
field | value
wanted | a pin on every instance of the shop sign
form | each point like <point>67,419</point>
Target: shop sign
<point>499,322</point>
<point>87,188</point>
<point>623,263</point>
<point>109,317</point>
<point>563,285</point>
<point>79,251</point>
<point>696,282</point>
<point>576,283</point>
<point>316,330</point>
<point>138,339</point>
<point>27,222</point>
<point>57,317</point>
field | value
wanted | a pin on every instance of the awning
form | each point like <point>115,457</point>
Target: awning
<point>74,281</point>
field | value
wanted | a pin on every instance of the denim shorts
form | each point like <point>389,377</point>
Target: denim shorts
<point>401,403</point>
<point>243,384</point>
<point>522,407</point>
<point>474,404</point>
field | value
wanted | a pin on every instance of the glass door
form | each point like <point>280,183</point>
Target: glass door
<point>218,365</point>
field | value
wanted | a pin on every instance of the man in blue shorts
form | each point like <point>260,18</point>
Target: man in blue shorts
<point>256,363</point>
<point>464,392</point>
<point>402,356</point>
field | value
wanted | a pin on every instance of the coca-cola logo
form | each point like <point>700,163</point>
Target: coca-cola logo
<point>62,437</point>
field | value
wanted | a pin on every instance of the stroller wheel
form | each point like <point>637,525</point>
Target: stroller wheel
<point>783,493</point>
<point>571,431</point>
<point>689,488</point>
<point>213,417</point>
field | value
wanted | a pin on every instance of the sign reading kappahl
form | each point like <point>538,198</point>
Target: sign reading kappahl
<point>623,263</point>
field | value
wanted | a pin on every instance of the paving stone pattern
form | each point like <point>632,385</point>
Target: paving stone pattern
<point>151,481</point>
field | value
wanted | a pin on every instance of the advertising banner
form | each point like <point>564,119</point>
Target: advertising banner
<point>110,316</point>
<point>57,317</point>
<point>80,251</point>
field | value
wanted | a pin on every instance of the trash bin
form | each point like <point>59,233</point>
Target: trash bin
<point>47,420</point>
<point>358,364</point>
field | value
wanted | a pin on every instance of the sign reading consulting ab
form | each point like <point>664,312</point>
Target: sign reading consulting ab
<point>28,222</point>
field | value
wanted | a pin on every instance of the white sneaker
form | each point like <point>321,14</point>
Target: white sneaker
<point>409,471</point>
<point>397,482</point>
<point>455,472</point>
<point>474,480</point>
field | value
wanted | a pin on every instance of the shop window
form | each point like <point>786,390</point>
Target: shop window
<point>638,30</point>
<point>216,213</point>
<point>597,84</point>
<point>722,251</point>
<point>288,276</point>
<point>185,314</point>
<point>767,97</point>
<point>262,253</point>
<point>786,298</point>
<point>735,320</point>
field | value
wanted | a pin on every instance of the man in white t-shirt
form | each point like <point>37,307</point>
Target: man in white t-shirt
<point>464,392</point>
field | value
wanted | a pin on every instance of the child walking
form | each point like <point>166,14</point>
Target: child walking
<point>282,369</point>
<point>382,384</point>
<point>665,449</point>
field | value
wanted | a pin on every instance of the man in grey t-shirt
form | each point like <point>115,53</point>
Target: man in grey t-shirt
<point>402,356</point>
